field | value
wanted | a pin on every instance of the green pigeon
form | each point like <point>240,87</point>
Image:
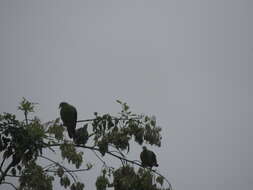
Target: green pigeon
<point>148,158</point>
<point>69,117</point>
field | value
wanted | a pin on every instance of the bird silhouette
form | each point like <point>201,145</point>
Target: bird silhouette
<point>68,115</point>
<point>148,158</point>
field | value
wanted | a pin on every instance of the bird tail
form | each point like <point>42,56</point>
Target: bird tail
<point>71,132</point>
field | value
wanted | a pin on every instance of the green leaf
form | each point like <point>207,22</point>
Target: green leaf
<point>13,171</point>
<point>26,106</point>
<point>119,101</point>
<point>33,177</point>
<point>64,181</point>
<point>77,186</point>
<point>159,180</point>
<point>57,130</point>
<point>60,171</point>
<point>68,151</point>
<point>103,146</point>
<point>101,183</point>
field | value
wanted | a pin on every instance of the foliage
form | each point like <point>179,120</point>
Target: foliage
<point>22,145</point>
<point>34,177</point>
<point>126,178</point>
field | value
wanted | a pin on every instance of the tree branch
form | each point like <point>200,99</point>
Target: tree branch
<point>12,175</point>
<point>113,118</point>
<point>5,173</point>
<point>69,171</point>
<point>10,185</point>
<point>121,158</point>
<point>2,163</point>
<point>26,117</point>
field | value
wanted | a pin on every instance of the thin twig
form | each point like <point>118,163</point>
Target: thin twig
<point>26,119</point>
<point>67,170</point>
<point>7,175</point>
<point>73,177</point>
<point>85,120</point>
<point>48,166</point>
<point>117,151</point>
<point>104,163</point>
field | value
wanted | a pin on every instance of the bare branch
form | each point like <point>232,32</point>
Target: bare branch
<point>3,175</point>
<point>9,184</point>
<point>2,163</point>
<point>48,166</point>
<point>113,118</point>
<point>7,175</point>
<point>104,163</point>
<point>69,171</point>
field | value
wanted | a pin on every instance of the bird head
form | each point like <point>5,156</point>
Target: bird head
<point>144,148</point>
<point>62,104</point>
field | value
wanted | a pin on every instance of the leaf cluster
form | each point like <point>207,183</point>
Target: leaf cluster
<point>82,135</point>
<point>21,141</point>
<point>68,151</point>
<point>55,129</point>
<point>126,178</point>
<point>66,182</point>
<point>35,178</point>
<point>118,131</point>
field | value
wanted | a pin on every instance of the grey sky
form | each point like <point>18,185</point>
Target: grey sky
<point>187,62</point>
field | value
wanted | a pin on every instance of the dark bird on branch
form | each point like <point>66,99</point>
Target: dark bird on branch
<point>148,158</point>
<point>69,118</point>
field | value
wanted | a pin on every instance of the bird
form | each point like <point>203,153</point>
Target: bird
<point>68,115</point>
<point>148,158</point>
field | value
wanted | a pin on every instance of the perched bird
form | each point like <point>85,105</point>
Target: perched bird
<point>148,158</point>
<point>69,117</point>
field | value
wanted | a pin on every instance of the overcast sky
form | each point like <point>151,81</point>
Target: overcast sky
<point>189,62</point>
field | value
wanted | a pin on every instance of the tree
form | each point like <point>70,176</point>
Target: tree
<point>24,144</point>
